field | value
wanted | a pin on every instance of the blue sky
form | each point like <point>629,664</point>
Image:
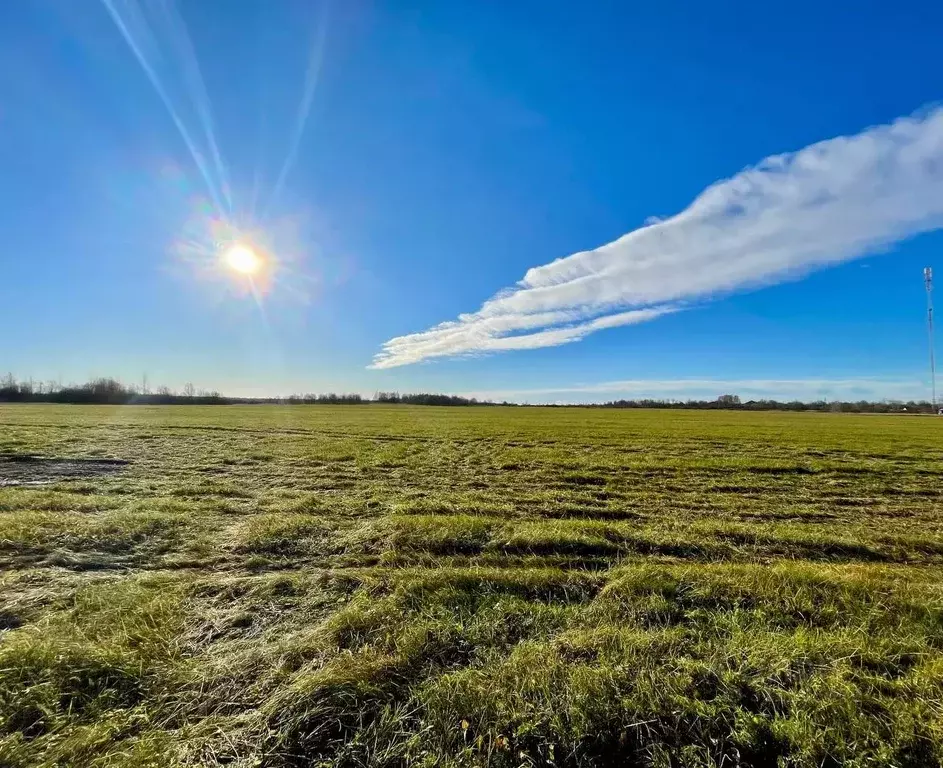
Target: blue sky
<point>400,165</point>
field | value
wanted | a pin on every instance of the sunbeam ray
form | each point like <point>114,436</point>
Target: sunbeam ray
<point>141,24</point>
<point>304,106</point>
<point>259,164</point>
<point>198,94</point>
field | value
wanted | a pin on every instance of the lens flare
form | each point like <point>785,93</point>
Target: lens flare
<point>241,258</point>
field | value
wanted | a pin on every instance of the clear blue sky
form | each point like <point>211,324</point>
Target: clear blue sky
<point>449,148</point>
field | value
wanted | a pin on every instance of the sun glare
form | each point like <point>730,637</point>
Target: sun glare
<point>241,258</point>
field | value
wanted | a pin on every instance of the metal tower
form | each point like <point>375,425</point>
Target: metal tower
<point>928,281</point>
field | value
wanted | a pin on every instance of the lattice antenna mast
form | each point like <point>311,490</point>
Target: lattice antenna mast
<point>928,281</point>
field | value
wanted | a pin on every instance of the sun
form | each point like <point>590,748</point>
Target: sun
<point>242,259</point>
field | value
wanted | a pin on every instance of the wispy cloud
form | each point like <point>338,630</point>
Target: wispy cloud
<point>480,334</point>
<point>830,202</point>
<point>749,389</point>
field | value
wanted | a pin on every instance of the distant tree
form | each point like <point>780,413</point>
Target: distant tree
<point>9,389</point>
<point>726,401</point>
<point>189,390</point>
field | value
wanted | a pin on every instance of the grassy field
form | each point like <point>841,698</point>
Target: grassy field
<point>390,586</point>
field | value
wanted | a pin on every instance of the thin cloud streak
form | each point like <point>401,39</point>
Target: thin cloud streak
<point>491,334</point>
<point>828,203</point>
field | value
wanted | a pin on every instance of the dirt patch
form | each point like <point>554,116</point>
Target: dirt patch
<point>23,469</point>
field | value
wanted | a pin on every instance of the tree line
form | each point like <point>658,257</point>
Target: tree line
<point>734,403</point>
<point>103,391</point>
<point>108,391</point>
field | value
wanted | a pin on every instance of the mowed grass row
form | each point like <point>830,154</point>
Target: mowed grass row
<point>347,586</point>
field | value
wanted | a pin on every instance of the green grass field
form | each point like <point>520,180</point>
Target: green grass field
<point>391,586</point>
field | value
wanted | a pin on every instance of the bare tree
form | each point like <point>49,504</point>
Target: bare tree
<point>189,390</point>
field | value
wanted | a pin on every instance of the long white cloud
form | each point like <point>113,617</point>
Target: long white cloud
<point>830,202</point>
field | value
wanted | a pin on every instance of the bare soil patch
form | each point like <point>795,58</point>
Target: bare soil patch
<point>25,469</point>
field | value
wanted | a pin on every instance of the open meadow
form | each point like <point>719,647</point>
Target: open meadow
<point>390,586</point>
